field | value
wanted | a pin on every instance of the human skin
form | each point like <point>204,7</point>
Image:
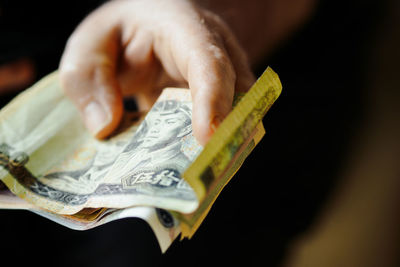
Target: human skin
<point>139,47</point>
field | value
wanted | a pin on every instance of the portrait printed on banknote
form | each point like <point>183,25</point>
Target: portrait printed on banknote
<point>139,167</point>
<point>163,147</point>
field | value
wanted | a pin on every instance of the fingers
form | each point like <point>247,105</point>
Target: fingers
<point>211,78</point>
<point>178,42</point>
<point>87,73</point>
<point>215,66</point>
<point>139,71</point>
<point>244,76</point>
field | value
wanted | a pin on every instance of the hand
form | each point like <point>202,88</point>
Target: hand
<point>140,47</point>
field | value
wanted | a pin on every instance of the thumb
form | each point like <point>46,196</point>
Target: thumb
<point>97,98</point>
<point>87,74</point>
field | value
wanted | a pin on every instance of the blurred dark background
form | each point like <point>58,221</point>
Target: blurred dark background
<point>283,185</point>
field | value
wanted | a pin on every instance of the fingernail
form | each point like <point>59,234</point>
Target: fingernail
<point>215,123</point>
<point>95,116</point>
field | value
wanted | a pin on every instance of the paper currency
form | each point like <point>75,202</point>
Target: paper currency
<point>10,201</point>
<point>48,174</point>
<point>233,141</point>
<point>164,225</point>
<point>73,170</point>
<point>49,159</point>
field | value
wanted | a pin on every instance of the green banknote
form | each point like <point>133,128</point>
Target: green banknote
<point>233,141</point>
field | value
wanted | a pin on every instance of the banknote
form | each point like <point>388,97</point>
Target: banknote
<point>10,201</point>
<point>48,158</point>
<point>165,227</point>
<point>226,151</point>
<point>139,165</point>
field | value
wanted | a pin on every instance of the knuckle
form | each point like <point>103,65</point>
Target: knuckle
<point>68,76</point>
<point>76,82</point>
<point>218,53</point>
<point>223,67</point>
<point>79,74</point>
<point>213,18</point>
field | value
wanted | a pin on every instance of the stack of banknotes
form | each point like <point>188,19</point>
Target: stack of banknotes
<point>151,168</point>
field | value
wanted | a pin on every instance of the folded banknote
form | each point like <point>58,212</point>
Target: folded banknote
<point>151,165</point>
